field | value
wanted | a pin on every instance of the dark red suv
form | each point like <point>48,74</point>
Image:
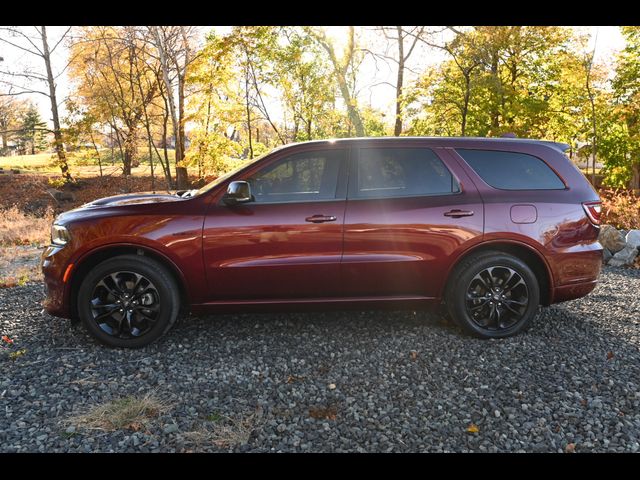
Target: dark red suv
<point>489,228</point>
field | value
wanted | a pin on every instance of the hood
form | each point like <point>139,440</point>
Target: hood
<point>134,199</point>
<point>104,206</point>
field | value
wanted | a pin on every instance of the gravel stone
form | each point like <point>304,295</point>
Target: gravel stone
<point>573,378</point>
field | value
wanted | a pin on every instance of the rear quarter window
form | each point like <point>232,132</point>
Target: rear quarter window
<point>511,170</point>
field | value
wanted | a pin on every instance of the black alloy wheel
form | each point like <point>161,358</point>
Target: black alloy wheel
<point>493,295</point>
<point>128,301</point>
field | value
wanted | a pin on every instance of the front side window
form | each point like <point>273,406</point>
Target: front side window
<point>511,170</point>
<point>402,172</point>
<point>308,176</point>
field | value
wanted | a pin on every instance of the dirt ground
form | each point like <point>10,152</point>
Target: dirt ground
<point>29,192</point>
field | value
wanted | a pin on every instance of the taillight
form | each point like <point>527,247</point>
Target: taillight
<point>593,210</point>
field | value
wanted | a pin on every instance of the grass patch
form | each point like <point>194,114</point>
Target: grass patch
<point>19,266</point>
<point>39,161</point>
<point>18,228</point>
<point>214,417</point>
<point>224,431</point>
<point>21,277</point>
<point>128,413</point>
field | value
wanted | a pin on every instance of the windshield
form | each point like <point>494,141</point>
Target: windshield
<point>221,179</point>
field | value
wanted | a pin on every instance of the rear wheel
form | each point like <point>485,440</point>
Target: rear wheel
<point>128,301</point>
<point>493,295</point>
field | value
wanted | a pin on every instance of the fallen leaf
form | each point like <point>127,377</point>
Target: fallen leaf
<point>570,448</point>
<point>610,355</point>
<point>6,339</point>
<point>16,354</point>
<point>413,355</point>
<point>324,413</point>
<point>135,426</point>
<point>473,428</point>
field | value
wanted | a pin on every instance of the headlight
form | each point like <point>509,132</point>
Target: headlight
<point>59,235</point>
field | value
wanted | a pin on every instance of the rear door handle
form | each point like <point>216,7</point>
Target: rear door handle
<point>458,213</point>
<point>321,218</point>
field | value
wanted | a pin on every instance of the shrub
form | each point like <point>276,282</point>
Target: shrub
<point>18,228</point>
<point>620,208</point>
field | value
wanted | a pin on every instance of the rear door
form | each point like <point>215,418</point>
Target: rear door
<point>410,211</point>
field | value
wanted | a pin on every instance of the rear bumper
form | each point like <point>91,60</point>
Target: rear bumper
<point>571,292</point>
<point>578,273</point>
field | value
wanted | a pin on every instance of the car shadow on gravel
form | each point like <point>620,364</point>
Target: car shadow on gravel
<point>336,381</point>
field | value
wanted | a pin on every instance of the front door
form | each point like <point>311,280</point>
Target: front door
<point>287,243</point>
<point>407,213</point>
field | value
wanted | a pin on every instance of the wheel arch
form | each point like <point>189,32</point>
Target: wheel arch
<point>524,252</point>
<point>100,254</point>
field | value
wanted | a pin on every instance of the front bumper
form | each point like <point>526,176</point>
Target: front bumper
<point>54,263</point>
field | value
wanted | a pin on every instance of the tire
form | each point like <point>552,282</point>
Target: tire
<point>149,311</point>
<point>487,292</point>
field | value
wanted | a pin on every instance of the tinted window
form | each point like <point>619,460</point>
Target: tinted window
<point>301,177</point>
<point>511,171</point>
<point>401,172</point>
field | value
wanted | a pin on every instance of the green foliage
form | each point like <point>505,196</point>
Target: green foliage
<point>56,183</point>
<point>623,164</point>
<point>32,134</point>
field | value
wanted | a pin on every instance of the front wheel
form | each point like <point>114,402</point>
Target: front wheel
<point>128,301</point>
<point>493,295</point>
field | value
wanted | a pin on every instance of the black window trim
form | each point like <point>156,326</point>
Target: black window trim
<point>353,173</point>
<point>341,184</point>
<point>557,174</point>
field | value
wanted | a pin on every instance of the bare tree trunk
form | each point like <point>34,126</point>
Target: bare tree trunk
<point>95,147</point>
<point>635,177</point>
<point>181,135</point>
<point>465,105</point>
<point>169,94</point>
<point>165,121</point>
<point>248,105</point>
<point>594,127</point>
<point>340,68</point>
<point>57,134</point>
<point>397,130</point>
<point>130,151</point>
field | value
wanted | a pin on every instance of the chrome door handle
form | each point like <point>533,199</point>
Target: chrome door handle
<point>321,218</point>
<point>458,213</point>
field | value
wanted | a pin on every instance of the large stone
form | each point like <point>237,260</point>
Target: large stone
<point>626,256</point>
<point>606,255</point>
<point>611,238</point>
<point>61,196</point>
<point>633,238</point>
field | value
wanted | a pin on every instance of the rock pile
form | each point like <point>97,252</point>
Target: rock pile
<point>620,247</point>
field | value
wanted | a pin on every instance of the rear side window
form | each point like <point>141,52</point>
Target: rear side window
<point>511,170</point>
<point>401,172</point>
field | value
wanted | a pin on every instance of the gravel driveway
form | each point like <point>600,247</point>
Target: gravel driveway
<point>335,382</point>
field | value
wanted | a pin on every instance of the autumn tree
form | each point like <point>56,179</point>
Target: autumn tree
<point>35,41</point>
<point>107,68</point>
<point>176,50</point>
<point>217,107</point>
<point>11,109</point>
<point>624,139</point>
<point>341,64</point>
<point>497,80</point>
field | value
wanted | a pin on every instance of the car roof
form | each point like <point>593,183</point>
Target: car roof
<point>459,142</point>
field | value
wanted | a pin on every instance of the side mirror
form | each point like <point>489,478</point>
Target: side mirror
<point>237,192</point>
